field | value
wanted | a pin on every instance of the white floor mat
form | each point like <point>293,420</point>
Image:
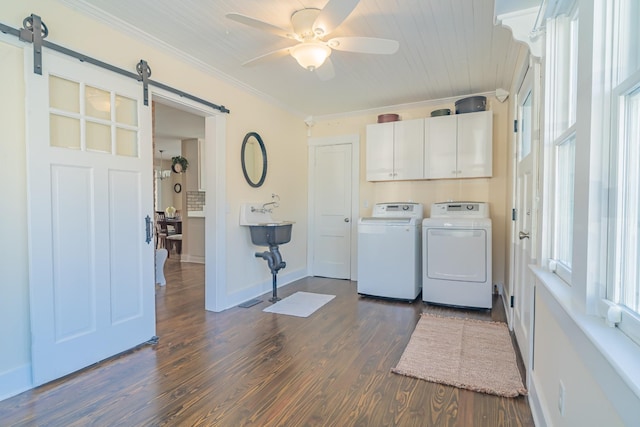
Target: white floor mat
<point>300,304</point>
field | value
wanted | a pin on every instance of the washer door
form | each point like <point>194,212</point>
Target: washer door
<point>455,254</point>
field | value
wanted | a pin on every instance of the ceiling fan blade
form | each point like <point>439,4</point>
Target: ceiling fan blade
<point>261,25</point>
<point>364,45</point>
<point>332,15</point>
<point>325,71</point>
<point>267,57</point>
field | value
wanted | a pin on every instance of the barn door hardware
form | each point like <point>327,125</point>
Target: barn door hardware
<point>144,71</point>
<point>34,31</point>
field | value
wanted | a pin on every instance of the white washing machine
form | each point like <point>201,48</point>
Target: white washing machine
<point>389,251</point>
<point>456,246</point>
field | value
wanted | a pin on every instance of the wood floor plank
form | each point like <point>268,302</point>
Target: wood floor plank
<point>244,367</point>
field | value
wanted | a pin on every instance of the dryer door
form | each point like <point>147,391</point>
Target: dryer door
<point>456,254</point>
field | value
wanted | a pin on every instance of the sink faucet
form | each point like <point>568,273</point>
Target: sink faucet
<point>274,203</point>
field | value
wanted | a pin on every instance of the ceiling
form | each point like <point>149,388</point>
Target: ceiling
<point>448,49</point>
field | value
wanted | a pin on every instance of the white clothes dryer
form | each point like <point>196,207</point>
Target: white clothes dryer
<point>456,247</point>
<point>389,251</point>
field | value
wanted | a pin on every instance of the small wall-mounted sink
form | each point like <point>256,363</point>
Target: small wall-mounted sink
<point>271,233</point>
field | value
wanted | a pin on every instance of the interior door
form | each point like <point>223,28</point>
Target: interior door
<point>332,211</point>
<point>524,250</point>
<point>89,189</point>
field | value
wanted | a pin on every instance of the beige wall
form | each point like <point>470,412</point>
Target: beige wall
<point>283,133</point>
<point>492,190</point>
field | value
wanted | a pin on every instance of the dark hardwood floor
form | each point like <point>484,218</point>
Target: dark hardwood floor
<point>246,367</point>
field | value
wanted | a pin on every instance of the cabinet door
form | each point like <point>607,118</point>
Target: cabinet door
<point>475,143</point>
<point>440,147</point>
<point>380,152</point>
<point>408,149</point>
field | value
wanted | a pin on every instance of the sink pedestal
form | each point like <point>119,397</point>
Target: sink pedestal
<point>275,263</point>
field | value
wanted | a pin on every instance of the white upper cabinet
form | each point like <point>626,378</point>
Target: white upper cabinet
<point>440,152</point>
<point>459,146</point>
<point>380,152</point>
<point>395,150</point>
<point>475,144</point>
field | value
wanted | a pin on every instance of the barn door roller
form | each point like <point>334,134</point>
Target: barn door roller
<point>34,31</point>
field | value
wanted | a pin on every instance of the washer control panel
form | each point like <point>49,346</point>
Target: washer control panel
<point>398,210</point>
<point>460,209</point>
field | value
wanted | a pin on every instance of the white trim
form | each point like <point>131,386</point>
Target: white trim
<point>12,40</point>
<point>539,409</point>
<point>15,381</point>
<point>260,289</point>
<point>399,107</point>
<point>354,141</point>
<point>215,217</point>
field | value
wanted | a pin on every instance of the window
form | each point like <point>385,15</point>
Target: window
<point>563,220</point>
<point>623,278</point>
<point>562,69</point>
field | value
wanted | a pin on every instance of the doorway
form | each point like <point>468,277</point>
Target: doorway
<point>179,194</point>
<point>213,214</point>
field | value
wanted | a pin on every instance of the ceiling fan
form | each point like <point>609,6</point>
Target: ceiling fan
<point>309,27</point>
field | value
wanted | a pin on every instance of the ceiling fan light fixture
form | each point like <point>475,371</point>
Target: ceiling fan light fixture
<point>310,55</point>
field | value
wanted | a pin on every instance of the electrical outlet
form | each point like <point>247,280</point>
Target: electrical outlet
<point>561,397</point>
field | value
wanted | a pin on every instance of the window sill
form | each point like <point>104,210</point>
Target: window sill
<point>614,346</point>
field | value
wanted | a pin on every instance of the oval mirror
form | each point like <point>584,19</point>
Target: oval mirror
<point>254,159</point>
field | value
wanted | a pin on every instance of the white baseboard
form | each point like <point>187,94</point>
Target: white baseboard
<point>261,288</point>
<point>192,258</point>
<point>537,409</point>
<point>15,381</point>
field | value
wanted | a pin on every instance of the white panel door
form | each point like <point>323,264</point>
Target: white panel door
<point>90,188</point>
<point>332,211</point>
<point>523,289</point>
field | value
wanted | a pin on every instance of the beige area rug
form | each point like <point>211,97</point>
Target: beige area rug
<point>472,354</point>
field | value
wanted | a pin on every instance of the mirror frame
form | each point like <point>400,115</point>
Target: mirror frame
<point>264,159</point>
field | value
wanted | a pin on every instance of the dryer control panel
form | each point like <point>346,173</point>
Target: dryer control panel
<point>460,209</point>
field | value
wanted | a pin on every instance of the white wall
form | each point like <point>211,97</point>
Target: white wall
<point>284,135</point>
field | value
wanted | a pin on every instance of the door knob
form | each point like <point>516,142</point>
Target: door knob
<point>523,235</point>
<point>346,220</point>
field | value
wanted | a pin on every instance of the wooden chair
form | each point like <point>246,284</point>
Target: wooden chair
<point>174,241</point>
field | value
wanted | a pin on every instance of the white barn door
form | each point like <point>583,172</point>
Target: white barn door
<point>90,188</point>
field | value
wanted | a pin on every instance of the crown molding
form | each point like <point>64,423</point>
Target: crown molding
<point>398,107</point>
<point>118,24</point>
